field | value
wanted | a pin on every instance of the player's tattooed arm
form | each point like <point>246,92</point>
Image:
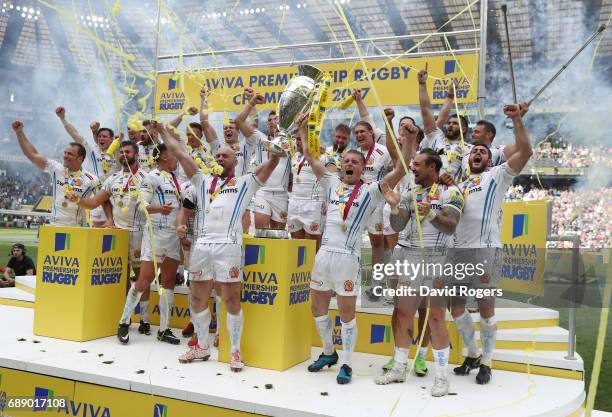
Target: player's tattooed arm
<point>447,221</point>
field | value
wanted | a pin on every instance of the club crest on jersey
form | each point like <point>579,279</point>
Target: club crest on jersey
<point>231,182</point>
<point>476,181</point>
<point>314,227</point>
<point>378,227</point>
<point>436,195</point>
<point>370,162</point>
<point>349,286</point>
<point>234,272</point>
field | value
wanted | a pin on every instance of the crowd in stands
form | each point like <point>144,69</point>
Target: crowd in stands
<point>575,156</point>
<point>17,189</point>
<point>587,212</point>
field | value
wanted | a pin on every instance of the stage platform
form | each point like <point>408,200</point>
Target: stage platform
<point>144,378</point>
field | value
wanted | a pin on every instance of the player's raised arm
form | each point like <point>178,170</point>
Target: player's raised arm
<point>429,122</point>
<point>27,148</point>
<point>519,159</point>
<point>207,128</point>
<point>446,107</point>
<point>192,111</point>
<point>241,119</point>
<point>174,146</point>
<point>409,131</point>
<point>511,149</point>
<point>389,115</point>
<point>60,112</point>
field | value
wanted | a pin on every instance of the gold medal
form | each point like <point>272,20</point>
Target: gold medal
<point>64,204</point>
<point>120,203</point>
<point>344,227</point>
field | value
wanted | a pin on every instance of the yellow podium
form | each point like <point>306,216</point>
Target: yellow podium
<point>276,302</point>
<point>80,282</point>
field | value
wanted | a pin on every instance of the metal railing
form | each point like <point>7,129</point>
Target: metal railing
<point>571,336</point>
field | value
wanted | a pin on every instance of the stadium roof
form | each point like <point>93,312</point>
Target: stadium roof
<point>33,35</point>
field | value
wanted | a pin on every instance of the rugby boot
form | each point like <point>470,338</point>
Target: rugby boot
<point>484,374</point>
<point>144,328</point>
<point>395,374</point>
<point>195,353</point>
<point>323,361</point>
<point>345,375</point>
<point>468,365</point>
<point>420,367</point>
<point>123,333</point>
<point>440,386</point>
<point>168,337</point>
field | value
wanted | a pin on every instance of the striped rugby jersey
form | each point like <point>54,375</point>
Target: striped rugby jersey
<point>83,183</point>
<point>158,189</point>
<point>220,220</point>
<point>124,191</point>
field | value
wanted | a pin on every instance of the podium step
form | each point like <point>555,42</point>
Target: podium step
<point>26,283</point>
<point>538,338</point>
<point>538,362</point>
<point>16,297</point>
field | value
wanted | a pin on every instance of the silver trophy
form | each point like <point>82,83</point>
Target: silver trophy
<point>296,98</point>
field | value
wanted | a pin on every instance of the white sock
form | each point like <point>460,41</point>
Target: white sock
<point>488,334</point>
<point>166,304</point>
<point>201,323</point>
<point>234,325</point>
<point>144,311</point>
<point>441,361</point>
<point>422,352</point>
<point>218,314</point>
<point>324,326</point>
<point>349,338</point>
<point>401,356</point>
<point>133,296</point>
<point>465,325</point>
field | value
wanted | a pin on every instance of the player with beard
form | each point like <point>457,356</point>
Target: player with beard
<point>438,209</point>
<point>449,146</point>
<point>272,200</point>
<point>337,268</point>
<point>68,178</point>
<point>478,240</point>
<point>483,133</point>
<point>98,162</point>
<point>217,254</point>
<point>149,141</point>
<point>121,189</point>
<point>336,151</point>
<point>160,194</point>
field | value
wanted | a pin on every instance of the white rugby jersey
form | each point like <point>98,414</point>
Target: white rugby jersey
<point>220,216</point>
<point>279,179</point>
<point>378,164</point>
<point>340,235</point>
<point>305,184</point>
<point>439,196</point>
<point>480,226</point>
<point>498,157</point>
<point>124,190</point>
<point>145,157</point>
<point>452,153</point>
<point>159,188</point>
<point>82,183</point>
<point>99,163</point>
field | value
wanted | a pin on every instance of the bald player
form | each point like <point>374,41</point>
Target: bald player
<point>217,254</point>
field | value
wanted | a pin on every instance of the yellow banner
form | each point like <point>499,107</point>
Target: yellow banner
<point>395,83</point>
<point>524,230</point>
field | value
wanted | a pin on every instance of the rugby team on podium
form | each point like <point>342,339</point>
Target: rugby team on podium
<point>189,210</point>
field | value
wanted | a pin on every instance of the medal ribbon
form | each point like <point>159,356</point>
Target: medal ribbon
<point>349,203</point>
<point>214,191</point>
<point>301,164</point>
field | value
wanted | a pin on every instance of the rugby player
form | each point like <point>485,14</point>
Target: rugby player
<point>98,162</point>
<point>478,240</point>
<point>68,178</point>
<point>160,194</point>
<point>350,202</point>
<point>217,255</point>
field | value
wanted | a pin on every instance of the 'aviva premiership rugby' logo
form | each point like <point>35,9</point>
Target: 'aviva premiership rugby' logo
<point>520,225</point>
